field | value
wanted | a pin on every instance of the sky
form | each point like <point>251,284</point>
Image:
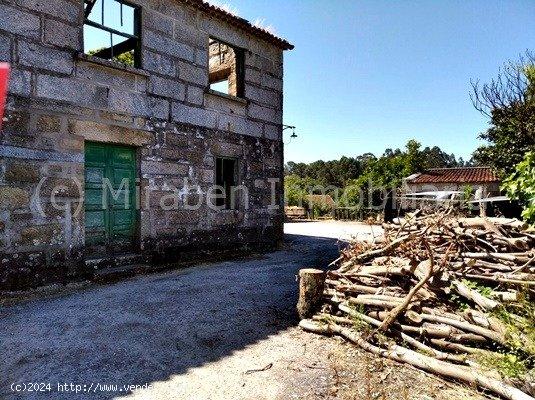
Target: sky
<point>369,75</point>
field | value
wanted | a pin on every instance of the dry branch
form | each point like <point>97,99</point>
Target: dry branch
<point>430,364</point>
<point>393,315</point>
<point>407,288</point>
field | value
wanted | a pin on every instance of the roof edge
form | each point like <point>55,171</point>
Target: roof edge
<point>240,23</point>
<point>451,168</point>
<point>423,177</point>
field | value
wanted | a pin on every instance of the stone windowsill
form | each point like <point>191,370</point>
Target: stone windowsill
<point>111,64</point>
<point>226,96</point>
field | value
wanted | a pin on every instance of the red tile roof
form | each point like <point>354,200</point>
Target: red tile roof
<point>239,22</point>
<point>455,175</point>
<point>321,199</point>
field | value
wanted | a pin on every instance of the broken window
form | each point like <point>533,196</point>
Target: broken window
<point>112,31</point>
<point>226,178</point>
<point>226,68</point>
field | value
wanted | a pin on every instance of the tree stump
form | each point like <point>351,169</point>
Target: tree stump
<point>311,284</point>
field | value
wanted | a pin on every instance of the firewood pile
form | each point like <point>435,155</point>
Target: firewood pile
<point>452,296</point>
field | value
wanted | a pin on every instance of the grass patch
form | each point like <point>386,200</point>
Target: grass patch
<point>482,289</point>
<point>519,320</point>
<point>460,302</point>
<point>358,323</point>
<point>508,365</point>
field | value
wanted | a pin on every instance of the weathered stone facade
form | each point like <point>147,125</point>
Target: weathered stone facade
<point>59,99</point>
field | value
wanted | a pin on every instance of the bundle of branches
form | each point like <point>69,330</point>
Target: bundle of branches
<point>449,295</point>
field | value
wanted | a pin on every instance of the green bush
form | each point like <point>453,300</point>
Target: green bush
<point>520,185</point>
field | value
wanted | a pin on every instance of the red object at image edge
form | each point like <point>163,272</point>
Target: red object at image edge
<point>4,77</point>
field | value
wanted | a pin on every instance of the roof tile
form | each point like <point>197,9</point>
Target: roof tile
<point>455,175</point>
<point>239,22</point>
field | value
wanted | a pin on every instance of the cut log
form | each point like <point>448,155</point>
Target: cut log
<point>493,266</point>
<point>506,297</point>
<point>518,259</point>
<point>444,332</point>
<point>434,311</point>
<point>457,347</point>
<point>363,289</point>
<point>429,266</point>
<point>466,326</point>
<point>373,302</point>
<point>426,330</point>
<point>311,285</point>
<point>486,223</point>
<point>486,321</point>
<point>521,243</point>
<point>362,258</point>
<point>380,270</point>
<point>496,278</point>
<point>484,302</point>
<point>409,339</point>
<point>430,364</point>
<point>392,299</point>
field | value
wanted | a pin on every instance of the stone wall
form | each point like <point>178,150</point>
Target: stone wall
<point>60,98</point>
<point>489,189</point>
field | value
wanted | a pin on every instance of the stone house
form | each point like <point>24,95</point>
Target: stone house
<point>136,132</point>
<point>454,179</point>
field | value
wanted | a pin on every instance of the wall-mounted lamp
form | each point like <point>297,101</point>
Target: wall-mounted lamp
<point>293,135</point>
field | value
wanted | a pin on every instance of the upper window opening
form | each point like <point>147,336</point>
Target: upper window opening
<point>112,31</point>
<point>226,68</point>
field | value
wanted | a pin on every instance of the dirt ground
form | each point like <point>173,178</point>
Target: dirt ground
<point>218,331</point>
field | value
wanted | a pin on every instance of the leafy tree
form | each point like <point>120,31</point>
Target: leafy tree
<point>391,153</point>
<point>361,178</point>
<point>434,157</point>
<point>296,188</point>
<point>413,159</point>
<point>126,58</point>
<point>352,194</point>
<point>341,172</point>
<point>336,172</point>
<point>509,102</point>
<point>385,171</point>
<point>520,185</point>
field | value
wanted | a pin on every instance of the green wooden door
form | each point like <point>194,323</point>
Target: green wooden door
<point>110,202</point>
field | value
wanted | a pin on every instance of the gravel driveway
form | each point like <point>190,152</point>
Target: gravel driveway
<point>217,331</point>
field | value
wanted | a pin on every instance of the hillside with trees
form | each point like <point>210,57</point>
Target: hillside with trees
<point>509,103</point>
<point>348,178</point>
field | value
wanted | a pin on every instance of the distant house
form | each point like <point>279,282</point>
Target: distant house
<point>320,205</point>
<point>320,200</point>
<point>481,179</point>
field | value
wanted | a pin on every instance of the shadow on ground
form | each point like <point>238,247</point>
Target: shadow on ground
<point>149,328</point>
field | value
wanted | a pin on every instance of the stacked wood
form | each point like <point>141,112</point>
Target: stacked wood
<point>441,293</point>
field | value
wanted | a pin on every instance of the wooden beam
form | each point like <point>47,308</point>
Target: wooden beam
<point>120,48</point>
<point>219,75</point>
<point>89,7</point>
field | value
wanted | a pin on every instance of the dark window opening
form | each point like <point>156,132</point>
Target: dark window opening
<point>226,68</point>
<point>112,31</point>
<point>226,171</point>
